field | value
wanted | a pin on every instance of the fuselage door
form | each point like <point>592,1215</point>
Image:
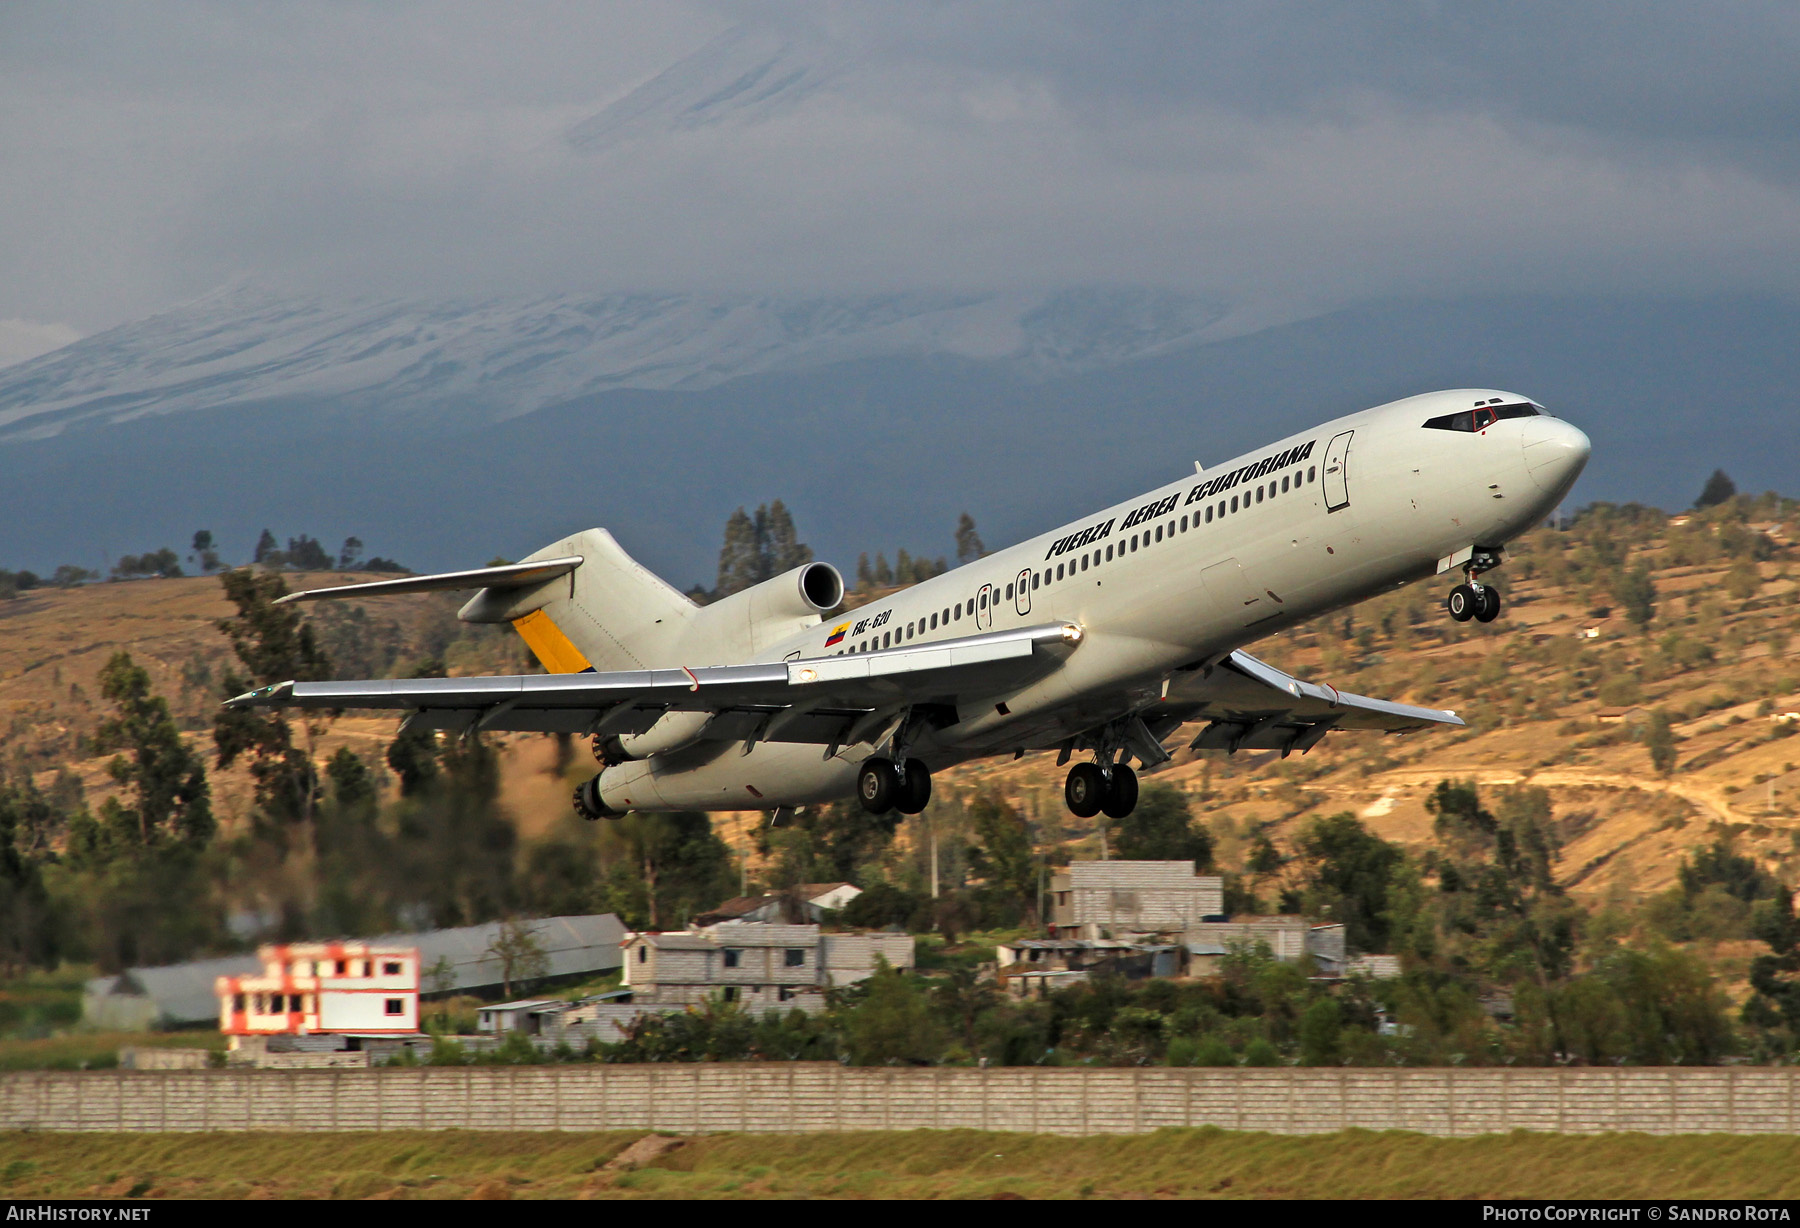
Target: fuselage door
<point>984,607</point>
<point>1022,602</point>
<point>1337,472</point>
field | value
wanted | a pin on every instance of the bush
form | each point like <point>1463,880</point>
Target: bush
<point>1260,1052</point>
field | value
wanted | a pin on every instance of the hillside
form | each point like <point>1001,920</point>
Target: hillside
<point>1557,693</point>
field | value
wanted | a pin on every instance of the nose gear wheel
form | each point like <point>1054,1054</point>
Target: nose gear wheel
<point>1473,599</point>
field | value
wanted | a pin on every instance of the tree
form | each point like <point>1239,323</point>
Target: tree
<point>306,554</point>
<point>740,559</point>
<point>1162,828</point>
<point>1348,874</point>
<point>28,937</point>
<point>758,548</point>
<point>68,576</point>
<point>205,552</point>
<point>1636,594</point>
<point>274,644</point>
<point>884,575</point>
<point>1718,489</point>
<point>165,780</point>
<point>1460,817</point>
<point>780,544</point>
<point>895,1022</point>
<point>1003,854</point>
<point>968,541</point>
<point>350,554</point>
<point>521,956</point>
<point>674,866</point>
<point>1659,740</point>
<point>162,563</point>
<point>835,843</point>
<point>267,546</point>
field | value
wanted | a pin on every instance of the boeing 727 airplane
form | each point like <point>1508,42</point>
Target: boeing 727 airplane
<point>1101,637</point>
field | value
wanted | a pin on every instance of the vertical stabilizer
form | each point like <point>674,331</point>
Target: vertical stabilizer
<point>610,613</point>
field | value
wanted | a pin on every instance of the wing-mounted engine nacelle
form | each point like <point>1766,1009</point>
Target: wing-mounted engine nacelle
<point>748,621</point>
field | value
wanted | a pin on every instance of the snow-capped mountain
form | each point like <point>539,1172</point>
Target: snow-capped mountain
<point>484,361</point>
<point>742,76</point>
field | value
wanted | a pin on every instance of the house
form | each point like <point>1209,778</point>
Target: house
<point>304,989</point>
<point>1288,938</point>
<point>760,964</point>
<point>1096,899</point>
<point>532,1016</point>
<point>1629,713</point>
<point>450,961</point>
<point>1032,966</point>
<point>814,900</point>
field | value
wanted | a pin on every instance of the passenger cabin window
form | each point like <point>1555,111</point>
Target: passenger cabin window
<point>1479,419</point>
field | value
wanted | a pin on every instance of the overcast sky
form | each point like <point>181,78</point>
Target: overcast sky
<point>1279,158</point>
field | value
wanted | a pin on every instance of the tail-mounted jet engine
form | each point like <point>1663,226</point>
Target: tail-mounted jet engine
<point>588,804</point>
<point>738,624</point>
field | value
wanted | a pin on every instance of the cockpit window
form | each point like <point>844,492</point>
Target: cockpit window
<point>1479,419</point>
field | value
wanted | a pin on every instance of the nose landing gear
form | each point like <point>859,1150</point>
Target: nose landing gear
<point>1475,599</point>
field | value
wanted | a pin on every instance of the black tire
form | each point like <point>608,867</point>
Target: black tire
<point>1487,608</point>
<point>876,785</point>
<point>1461,603</point>
<point>1122,794</point>
<point>915,791</point>
<point>1085,790</point>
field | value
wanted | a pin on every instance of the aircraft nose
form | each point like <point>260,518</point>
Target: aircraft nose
<point>1555,452</point>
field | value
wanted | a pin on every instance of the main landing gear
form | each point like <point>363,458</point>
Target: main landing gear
<point>1475,599</point>
<point>883,785</point>
<point>1091,790</point>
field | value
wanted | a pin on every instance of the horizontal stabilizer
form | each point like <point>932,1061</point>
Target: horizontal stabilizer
<point>513,575</point>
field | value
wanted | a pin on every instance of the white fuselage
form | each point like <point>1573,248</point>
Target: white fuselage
<point>1185,572</point>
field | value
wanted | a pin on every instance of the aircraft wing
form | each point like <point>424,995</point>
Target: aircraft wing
<point>1251,705</point>
<point>822,700</point>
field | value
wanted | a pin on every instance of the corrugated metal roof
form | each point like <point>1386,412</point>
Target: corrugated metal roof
<point>183,993</point>
<point>574,946</point>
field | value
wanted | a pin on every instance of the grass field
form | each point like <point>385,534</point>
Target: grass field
<point>920,1164</point>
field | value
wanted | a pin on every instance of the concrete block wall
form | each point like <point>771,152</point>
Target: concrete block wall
<point>805,1096</point>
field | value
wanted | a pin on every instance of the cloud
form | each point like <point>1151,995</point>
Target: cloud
<point>1286,158</point>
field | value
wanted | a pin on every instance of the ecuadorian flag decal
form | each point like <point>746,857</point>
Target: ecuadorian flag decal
<point>837,633</point>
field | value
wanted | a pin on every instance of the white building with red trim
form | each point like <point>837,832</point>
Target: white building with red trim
<point>306,988</point>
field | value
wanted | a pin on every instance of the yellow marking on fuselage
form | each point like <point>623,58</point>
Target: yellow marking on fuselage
<point>547,642</point>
